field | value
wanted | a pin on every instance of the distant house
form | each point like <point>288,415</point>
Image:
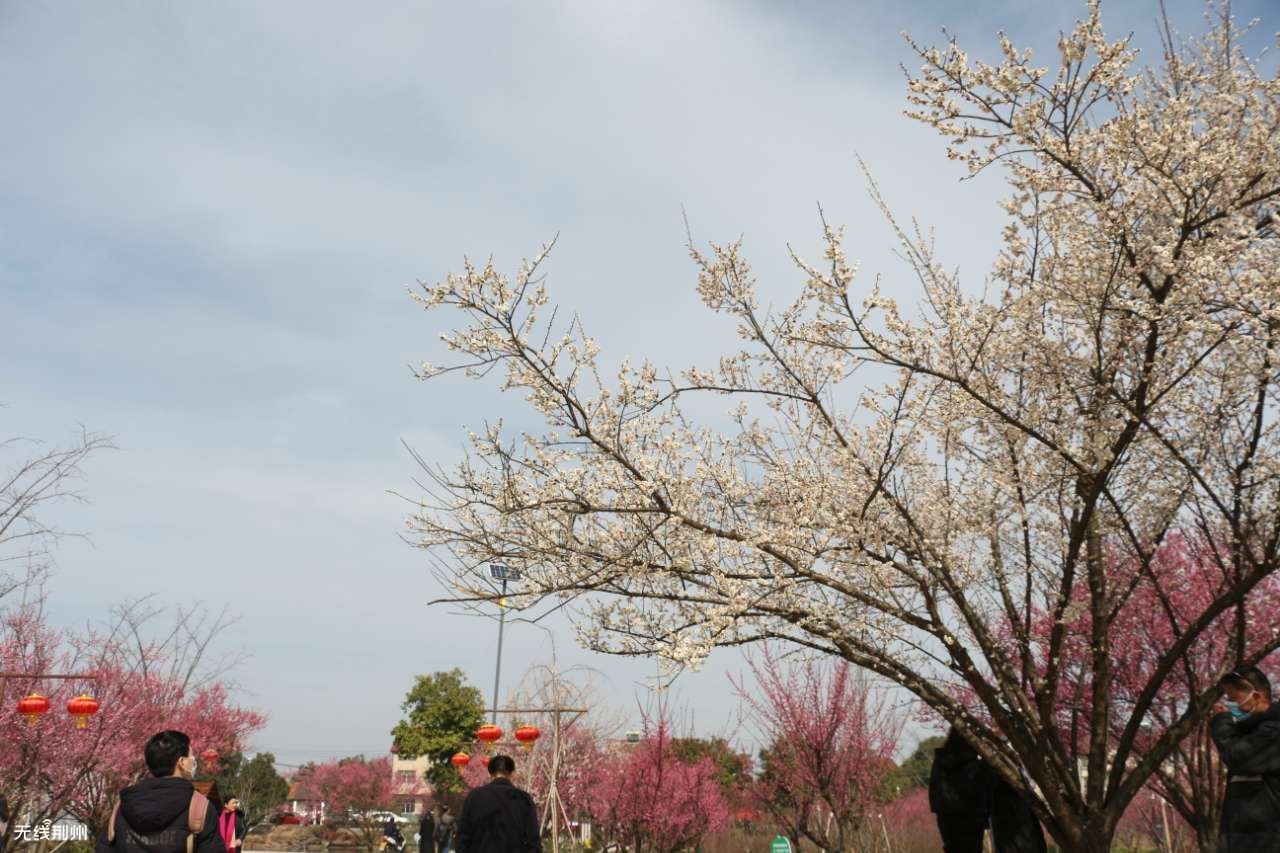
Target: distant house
<point>305,804</point>
<point>409,783</point>
<point>412,792</point>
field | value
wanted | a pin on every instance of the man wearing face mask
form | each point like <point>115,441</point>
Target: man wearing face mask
<point>163,813</point>
<point>1246,729</point>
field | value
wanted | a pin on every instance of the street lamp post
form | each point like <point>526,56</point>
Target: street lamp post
<point>499,572</point>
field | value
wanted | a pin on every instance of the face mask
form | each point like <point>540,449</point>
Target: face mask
<point>1236,711</point>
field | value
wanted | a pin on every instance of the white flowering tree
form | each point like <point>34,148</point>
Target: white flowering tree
<point>1115,386</point>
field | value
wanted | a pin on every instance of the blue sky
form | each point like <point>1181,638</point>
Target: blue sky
<point>209,214</point>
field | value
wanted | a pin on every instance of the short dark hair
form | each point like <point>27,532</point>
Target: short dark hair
<point>502,764</point>
<point>1247,678</point>
<point>163,751</point>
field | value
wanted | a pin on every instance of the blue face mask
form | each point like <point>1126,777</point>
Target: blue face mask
<point>1234,708</point>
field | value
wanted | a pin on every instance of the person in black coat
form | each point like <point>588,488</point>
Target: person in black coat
<point>154,816</point>
<point>498,817</point>
<point>968,795</point>
<point>4,821</point>
<point>959,794</point>
<point>427,832</point>
<point>1014,826</point>
<point>1246,729</point>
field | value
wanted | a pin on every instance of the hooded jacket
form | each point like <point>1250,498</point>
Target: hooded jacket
<point>153,819</point>
<point>1250,749</point>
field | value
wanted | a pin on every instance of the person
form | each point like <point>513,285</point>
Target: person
<point>444,831</point>
<point>1246,730</point>
<point>1014,826</point>
<point>498,817</point>
<point>4,821</point>
<point>959,794</point>
<point>163,813</point>
<point>391,835</point>
<point>427,831</point>
<point>231,824</point>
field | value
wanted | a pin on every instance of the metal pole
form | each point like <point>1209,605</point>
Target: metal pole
<point>497,669</point>
<point>555,780</point>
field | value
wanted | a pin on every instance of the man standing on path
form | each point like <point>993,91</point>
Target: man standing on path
<point>959,794</point>
<point>1246,728</point>
<point>498,817</point>
<point>427,832</point>
<point>164,813</point>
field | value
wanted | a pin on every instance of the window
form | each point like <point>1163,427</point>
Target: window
<point>408,806</point>
<point>406,777</point>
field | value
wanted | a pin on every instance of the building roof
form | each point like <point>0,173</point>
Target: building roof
<point>298,791</point>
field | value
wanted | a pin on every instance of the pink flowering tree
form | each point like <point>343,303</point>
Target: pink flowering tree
<point>572,766</point>
<point>1165,594</point>
<point>55,766</point>
<point>643,795</point>
<point>830,742</point>
<point>352,788</point>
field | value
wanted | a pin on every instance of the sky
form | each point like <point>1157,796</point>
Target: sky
<point>210,215</point>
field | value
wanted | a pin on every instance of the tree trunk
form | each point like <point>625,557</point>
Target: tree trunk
<point>1084,834</point>
<point>1092,842</point>
<point>1207,837</point>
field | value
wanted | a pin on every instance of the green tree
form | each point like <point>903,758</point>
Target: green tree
<point>255,781</point>
<point>918,765</point>
<point>733,768</point>
<point>442,715</point>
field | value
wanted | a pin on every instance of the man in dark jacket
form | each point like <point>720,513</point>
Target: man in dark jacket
<point>1014,826</point>
<point>959,794</point>
<point>156,814</point>
<point>967,795</point>
<point>427,832</point>
<point>498,817</point>
<point>1246,729</point>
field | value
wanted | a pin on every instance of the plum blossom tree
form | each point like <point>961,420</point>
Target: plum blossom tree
<point>354,787</point>
<point>830,740</point>
<point>1116,384</point>
<point>1180,582</point>
<point>56,767</point>
<point>645,796</point>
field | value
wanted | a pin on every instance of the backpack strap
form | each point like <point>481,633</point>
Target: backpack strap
<point>111,824</point>
<point>196,812</point>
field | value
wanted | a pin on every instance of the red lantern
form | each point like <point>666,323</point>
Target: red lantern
<point>460,760</point>
<point>528,736</point>
<point>209,756</point>
<point>82,708</point>
<point>32,707</point>
<point>488,734</point>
